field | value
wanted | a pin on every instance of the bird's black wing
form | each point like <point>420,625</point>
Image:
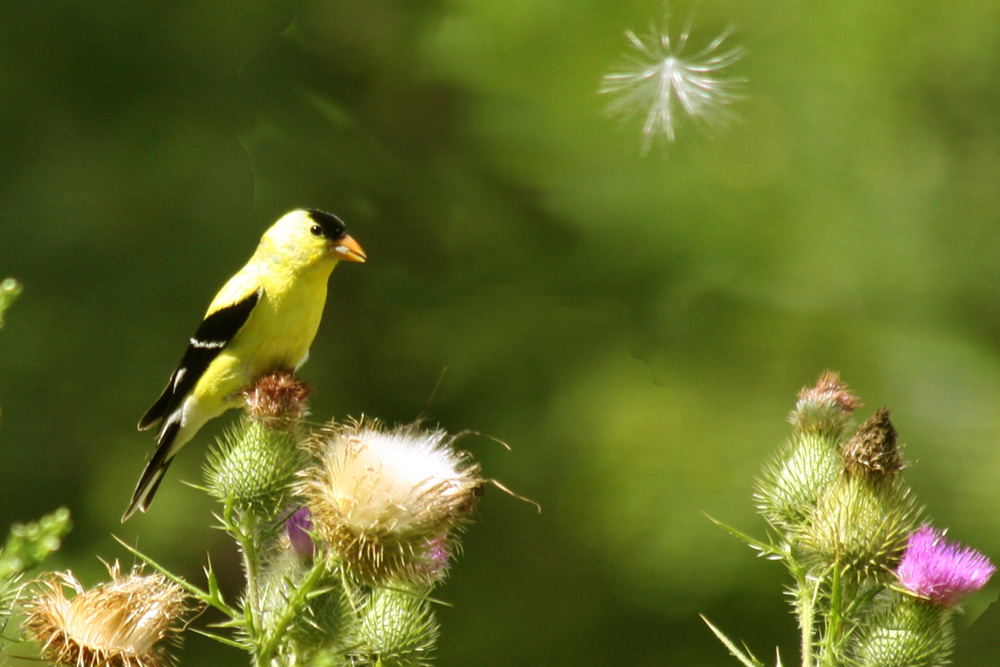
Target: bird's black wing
<point>212,336</point>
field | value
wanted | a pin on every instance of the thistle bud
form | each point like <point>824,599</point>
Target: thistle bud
<point>253,467</point>
<point>321,621</point>
<point>904,632</point>
<point>825,408</point>
<point>811,461</point>
<point>397,629</point>
<point>790,485</point>
<point>859,527</point>
<point>255,462</point>
<point>298,528</point>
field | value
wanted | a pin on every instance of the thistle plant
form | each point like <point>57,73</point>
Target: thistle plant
<point>874,585</point>
<point>343,530</point>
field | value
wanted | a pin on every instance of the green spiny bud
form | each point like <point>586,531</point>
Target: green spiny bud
<point>859,527</point>
<point>397,628</point>
<point>905,632</point>
<point>790,485</point>
<point>252,467</point>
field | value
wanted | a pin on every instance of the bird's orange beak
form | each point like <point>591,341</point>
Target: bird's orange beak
<point>348,249</point>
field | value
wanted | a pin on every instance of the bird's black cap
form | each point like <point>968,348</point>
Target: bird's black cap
<point>333,227</point>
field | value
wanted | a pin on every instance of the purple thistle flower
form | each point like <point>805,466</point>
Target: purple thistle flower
<point>297,528</point>
<point>942,571</point>
<point>437,558</point>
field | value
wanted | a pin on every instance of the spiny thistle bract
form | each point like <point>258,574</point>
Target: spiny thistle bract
<point>790,485</point>
<point>862,520</point>
<point>389,502</point>
<point>322,622</point>
<point>121,623</point>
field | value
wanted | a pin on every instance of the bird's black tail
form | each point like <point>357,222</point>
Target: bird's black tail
<point>153,473</point>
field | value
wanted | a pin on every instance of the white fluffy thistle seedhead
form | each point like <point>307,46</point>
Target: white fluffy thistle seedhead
<point>390,502</point>
<point>660,83</point>
<point>121,623</point>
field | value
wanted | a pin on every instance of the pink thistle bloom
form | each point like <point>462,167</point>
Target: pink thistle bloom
<point>942,571</point>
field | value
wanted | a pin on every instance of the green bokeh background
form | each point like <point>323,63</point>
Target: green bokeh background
<point>635,327</point>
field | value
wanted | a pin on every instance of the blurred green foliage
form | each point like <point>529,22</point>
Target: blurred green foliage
<point>634,327</point>
<point>28,544</point>
<point>10,289</point>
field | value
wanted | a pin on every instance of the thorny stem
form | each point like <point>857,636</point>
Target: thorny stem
<point>246,536</point>
<point>292,608</point>
<point>830,641</point>
<point>805,602</point>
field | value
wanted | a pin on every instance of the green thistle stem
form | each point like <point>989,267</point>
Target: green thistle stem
<point>248,547</point>
<point>830,641</point>
<point>269,646</point>
<point>806,611</point>
<point>245,533</point>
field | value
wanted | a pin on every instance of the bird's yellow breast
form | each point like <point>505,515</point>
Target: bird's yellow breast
<point>277,334</point>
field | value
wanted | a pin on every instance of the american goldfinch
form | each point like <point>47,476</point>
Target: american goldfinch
<point>262,320</point>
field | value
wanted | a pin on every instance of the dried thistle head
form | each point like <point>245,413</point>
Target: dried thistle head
<point>116,624</point>
<point>279,400</point>
<point>390,501</point>
<point>872,450</point>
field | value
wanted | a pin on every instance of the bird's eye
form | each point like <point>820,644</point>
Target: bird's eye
<point>316,230</point>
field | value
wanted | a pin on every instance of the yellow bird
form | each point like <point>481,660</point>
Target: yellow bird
<point>264,319</point>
